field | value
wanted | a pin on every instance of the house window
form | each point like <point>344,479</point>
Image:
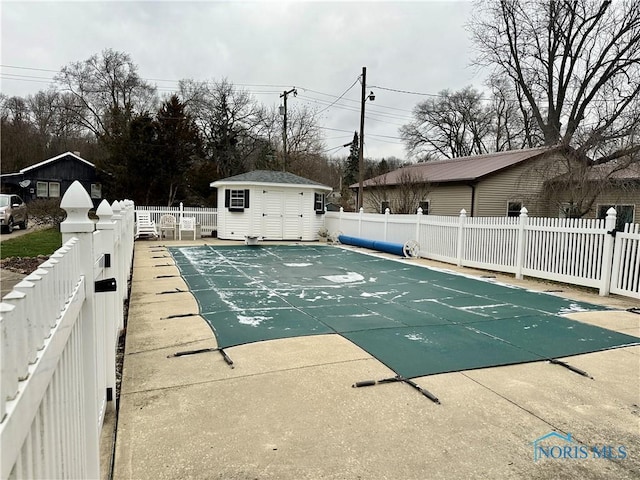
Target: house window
<point>624,214</point>
<point>513,209</point>
<point>96,190</point>
<point>384,205</point>
<point>54,189</point>
<point>236,200</point>
<point>42,189</point>
<point>424,206</point>
<point>318,202</point>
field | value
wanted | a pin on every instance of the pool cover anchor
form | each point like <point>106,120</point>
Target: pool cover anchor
<point>570,367</point>
<point>398,378</point>
<point>226,357</point>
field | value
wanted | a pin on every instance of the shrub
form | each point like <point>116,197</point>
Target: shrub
<point>46,211</point>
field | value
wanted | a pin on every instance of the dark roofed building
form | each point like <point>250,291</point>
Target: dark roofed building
<point>52,177</point>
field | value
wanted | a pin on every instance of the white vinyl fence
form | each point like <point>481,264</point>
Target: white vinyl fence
<point>59,332</point>
<point>577,251</point>
<point>207,218</point>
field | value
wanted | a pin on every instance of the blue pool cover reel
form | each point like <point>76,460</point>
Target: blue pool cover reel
<point>387,247</point>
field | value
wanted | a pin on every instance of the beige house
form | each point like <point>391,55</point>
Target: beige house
<point>600,188</point>
<point>497,184</point>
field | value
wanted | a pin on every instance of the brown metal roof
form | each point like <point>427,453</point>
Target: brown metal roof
<point>462,169</point>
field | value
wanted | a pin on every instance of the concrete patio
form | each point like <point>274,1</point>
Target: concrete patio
<point>287,409</point>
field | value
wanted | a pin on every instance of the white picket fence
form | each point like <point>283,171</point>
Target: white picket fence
<point>58,343</point>
<point>207,218</point>
<point>576,251</point>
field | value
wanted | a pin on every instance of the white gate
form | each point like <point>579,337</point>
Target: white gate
<point>625,273</point>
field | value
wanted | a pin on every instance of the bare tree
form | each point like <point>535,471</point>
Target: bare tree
<point>403,195</point>
<point>513,126</point>
<point>576,64</point>
<point>455,124</point>
<point>230,120</point>
<point>104,89</point>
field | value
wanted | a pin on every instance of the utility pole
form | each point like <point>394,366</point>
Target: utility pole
<point>283,112</point>
<point>360,150</point>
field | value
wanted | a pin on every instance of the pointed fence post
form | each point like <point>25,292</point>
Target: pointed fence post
<point>520,248</point>
<point>607,251</point>
<point>360,213</point>
<point>387,212</point>
<point>418,222</point>
<point>460,247</point>
<point>340,219</point>
<point>77,203</point>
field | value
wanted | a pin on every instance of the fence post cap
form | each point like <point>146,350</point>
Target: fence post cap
<point>523,212</point>
<point>463,213</point>
<point>387,211</point>
<point>611,212</point>
<point>115,207</point>
<point>104,210</point>
<point>77,203</point>
<point>6,307</point>
<point>419,210</point>
<point>105,213</point>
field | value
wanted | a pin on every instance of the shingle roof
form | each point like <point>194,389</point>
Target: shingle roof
<point>45,162</point>
<point>270,177</point>
<point>58,157</point>
<point>462,169</point>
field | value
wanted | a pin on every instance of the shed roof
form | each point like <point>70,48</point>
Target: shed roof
<point>261,177</point>
<point>461,169</point>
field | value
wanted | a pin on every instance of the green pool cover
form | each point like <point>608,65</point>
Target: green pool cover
<point>418,321</point>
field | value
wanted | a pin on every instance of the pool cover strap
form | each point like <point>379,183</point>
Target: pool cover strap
<point>398,378</point>
<point>226,357</point>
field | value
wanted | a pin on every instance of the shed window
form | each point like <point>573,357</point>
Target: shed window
<point>236,200</point>
<point>96,190</point>
<point>513,209</point>
<point>318,203</point>
<point>54,189</point>
<point>42,189</point>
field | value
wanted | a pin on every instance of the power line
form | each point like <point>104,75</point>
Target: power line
<point>406,91</point>
<point>343,94</point>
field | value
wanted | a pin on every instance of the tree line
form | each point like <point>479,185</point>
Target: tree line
<point>561,73</point>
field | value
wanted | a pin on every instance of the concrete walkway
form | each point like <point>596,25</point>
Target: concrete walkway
<point>287,409</point>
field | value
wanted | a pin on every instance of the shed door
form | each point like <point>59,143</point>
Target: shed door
<point>272,214</point>
<point>293,216</point>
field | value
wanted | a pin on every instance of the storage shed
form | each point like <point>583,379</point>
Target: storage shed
<point>270,205</point>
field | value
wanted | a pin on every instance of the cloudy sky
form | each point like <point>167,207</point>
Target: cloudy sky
<point>265,47</point>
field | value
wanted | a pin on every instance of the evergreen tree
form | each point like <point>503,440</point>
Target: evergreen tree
<point>351,172</point>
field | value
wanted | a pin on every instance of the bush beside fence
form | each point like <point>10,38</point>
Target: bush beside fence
<point>576,251</point>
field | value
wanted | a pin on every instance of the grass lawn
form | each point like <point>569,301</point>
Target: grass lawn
<point>41,242</point>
